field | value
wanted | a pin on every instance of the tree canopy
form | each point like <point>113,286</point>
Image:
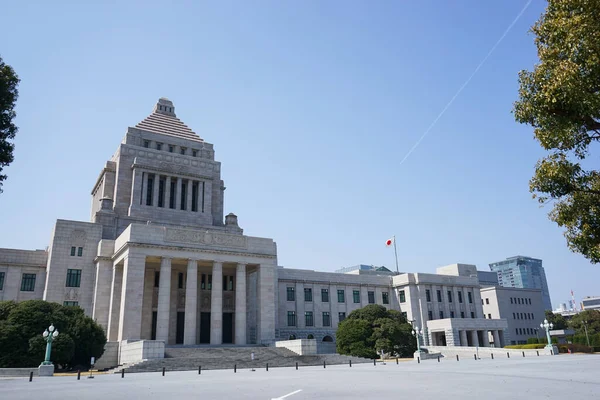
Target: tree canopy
<point>557,320</point>
<point>373,328</point>
<point>8,97</point>
<point>560,98</point>
<point>22,325</point>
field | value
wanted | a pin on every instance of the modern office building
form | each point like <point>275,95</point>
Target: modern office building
<point>523,272</point>
<point>590,303</point>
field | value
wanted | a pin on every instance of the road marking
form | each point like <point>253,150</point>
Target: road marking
<point>287,395</point>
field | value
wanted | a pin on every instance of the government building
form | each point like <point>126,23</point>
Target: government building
<point>160,261</point>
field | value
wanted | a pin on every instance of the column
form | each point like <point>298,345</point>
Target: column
<point>144,188</point>
<point>104,274</point>
<point>132,296</point>
<point>178,194</point>
<point>463,338</point>
<point>216,303</point>
<point>115,303</point>
<point>485,337</point>
<point>136,187</point>
<point>188,202</point>
<point>191,298</point>
<point>164,300</point>
<point>474,338</point>
<point>496,339</point>
<point>266,303</point>
<point>501,338</point>
<point>155,190</point>
<point>167,193</point>
<point>240,304</point>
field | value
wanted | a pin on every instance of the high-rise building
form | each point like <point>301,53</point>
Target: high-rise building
<point>523,272</point>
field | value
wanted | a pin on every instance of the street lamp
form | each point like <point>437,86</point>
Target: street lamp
<point>586,334</point>
<point>417,333</point>
<point>547,326</point>
<point>49,334</point>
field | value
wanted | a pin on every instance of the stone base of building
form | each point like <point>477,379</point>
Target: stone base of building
<point>46,370</point>
<point>303,347</point>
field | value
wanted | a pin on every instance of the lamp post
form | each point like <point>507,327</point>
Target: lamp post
<point>49,334</point>
<point>417,333</point>
<point>547,326</point>
<point>586,334</point>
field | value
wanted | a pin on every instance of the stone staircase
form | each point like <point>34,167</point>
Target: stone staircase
<point>210,358</point>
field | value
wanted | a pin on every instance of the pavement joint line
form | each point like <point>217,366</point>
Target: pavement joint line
<point>287,395</point>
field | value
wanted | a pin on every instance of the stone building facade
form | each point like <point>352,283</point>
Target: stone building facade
<point>159,261</point>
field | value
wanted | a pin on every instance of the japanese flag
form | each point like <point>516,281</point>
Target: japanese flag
<point>389,242</point>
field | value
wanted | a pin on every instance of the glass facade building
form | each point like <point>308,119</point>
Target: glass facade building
<point>523,272</point>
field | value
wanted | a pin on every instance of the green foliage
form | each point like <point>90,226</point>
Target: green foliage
<point>21,327</point>
<point>591,317</point>
<point>8,97</point>
<point>371,329</point>
<point>525,346</point>
<point>574,348</point>
<point>557,320</point>
<point>533,340</point>
<point>560,98</point>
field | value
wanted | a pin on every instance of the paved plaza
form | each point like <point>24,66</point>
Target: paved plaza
<point>560,377</point>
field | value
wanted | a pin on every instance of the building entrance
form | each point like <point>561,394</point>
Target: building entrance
<point>205,327</point>
<point>227,327</point>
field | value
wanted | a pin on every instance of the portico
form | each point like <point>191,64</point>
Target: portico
<point>478,332</point>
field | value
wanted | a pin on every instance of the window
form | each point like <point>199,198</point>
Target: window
<point>203,281</point>
<point>470,296</point>
<point>172,191</point>
<point>529,301</point>
<point>292,337</point>
<point>341,316</point>
<point>402,296</point>
<point>195,196</point>
<point>158,146</point>
<point>449,296</point>
<point>519,301</point>
<point>439,296</point>
<point>371,296</point>
<point>404,315</point>
<point>73,277</point>
<point>73,250</point>
<point>356,296</point>
<point>154,321</point>
<point>161,192</point>
<point>310,336</point>
<point>472,314</point>
<point>517,331</point>
<point>522,317</point>
<point>430,315</point>
<point>487,301</point>
<point>28,283</point>
<point>325,295</point>
<point>146,143</point>
<point>228,283</point>
<point>428,295</point>
<point>291,294</point>
<point>194,153</point>
<point>184,187</point>
<point>149,190</point>
<point>385,298</point>
<point>451,314</point>
<point>291,318</point>
<point>157,279</point>
<point>441,315</point>
<point>532,316</point>
<point>1,280</point>
<point>481,301</point>
<point>462,314</point>
<point>489,316</point>
<point>180,280</point>
<point>209,281</point>
<point>460,297</point>
<point>307,294</point>
<point>340,295</point>
<point>514,316</point>
<point>511,300</point>
<point>326,319</point>
<point>171,148</point>
<point>182,150</point>
<point>308,318</point>
<point>71,303</point>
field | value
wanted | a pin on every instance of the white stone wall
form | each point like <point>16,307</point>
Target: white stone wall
<point>14,263</point>
<point>140,350</point>
<point>303,347</point>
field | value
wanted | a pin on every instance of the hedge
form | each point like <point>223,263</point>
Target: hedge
<point>575,348</point>
<point>526,346</point>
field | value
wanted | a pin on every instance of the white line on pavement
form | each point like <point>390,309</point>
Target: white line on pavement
<point>287,395</point>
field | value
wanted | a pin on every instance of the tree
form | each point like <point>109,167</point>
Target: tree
<point>371,329</point>
<point>560,98</point>
<point>8,97</point>
<point>557,320</point>
<point>592,319</point>
<point>21,327</point>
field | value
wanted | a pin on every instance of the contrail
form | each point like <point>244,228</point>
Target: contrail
<point>466,83</point>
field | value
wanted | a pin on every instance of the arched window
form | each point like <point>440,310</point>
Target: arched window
<point>328,339</point>
<point>292,337</point>
<point>310,336</point>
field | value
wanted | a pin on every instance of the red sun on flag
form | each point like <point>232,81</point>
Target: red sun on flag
<point>389,242</point>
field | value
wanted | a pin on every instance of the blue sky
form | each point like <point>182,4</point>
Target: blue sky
<point>311,107</point>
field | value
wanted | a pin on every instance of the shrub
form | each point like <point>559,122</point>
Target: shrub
<point>533,340</point>
<point>531,346</point>
<point>575,348</point>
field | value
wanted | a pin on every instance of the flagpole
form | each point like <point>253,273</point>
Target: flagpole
<point>396,253</point>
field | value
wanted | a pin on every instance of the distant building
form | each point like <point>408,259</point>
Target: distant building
<point>364,269</point>
<point>523,272</point>
<point>590,303</point>
<point>523,309</point>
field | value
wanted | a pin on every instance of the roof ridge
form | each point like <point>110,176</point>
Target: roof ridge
<point>163,121</point>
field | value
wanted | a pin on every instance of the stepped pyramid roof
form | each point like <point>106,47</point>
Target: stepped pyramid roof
<point>164,121</point>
